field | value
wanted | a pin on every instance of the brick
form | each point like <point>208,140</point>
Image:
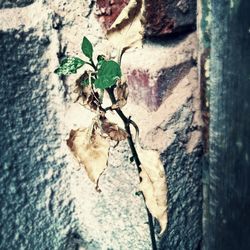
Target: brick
<point>167,17</point>
<point>151,82</point>
<point>161,17</point>
<point>108,10</point>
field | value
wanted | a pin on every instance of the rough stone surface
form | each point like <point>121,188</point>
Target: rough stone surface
<point>36,206</point>
<point>167,17</point>
<point>14,4</point>
<point>47,201</point>
<point>161,17</point>
<point>166,65</point>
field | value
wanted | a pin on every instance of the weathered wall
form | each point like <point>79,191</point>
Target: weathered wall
<point>47,202</point>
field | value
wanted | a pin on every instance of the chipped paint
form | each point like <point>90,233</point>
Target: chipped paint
<point>246,157</point>
<point>204,21</point>
<point>239,144</point>
<point>234,4</point>
<point>207,68</point>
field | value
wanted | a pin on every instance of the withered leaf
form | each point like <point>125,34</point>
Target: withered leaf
<point>112,130</point>
<point>82,79</point>
<point>91,150</point>
<point>83,91</point>
<point>93,101</point>
<point>127,30</point>
<point>86,93</point>
<point>153,185</point>
<point>121,94</point>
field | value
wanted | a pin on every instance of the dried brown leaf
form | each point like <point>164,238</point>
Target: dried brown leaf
<point>121,94</point>
<point>93,101</point>
<point>82,91</point>
<point>91,150</point>
<point>127,30</point>
<point>153,185</point>
<point>86,93</point>
<point>82,78</point>
<point>113,131</point>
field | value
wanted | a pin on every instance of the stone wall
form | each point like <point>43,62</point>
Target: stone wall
<point>47,202</point>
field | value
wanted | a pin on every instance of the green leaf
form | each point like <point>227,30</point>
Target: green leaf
<point>69,66</point>
<point>107,75</point>
<point>87,48</point>
<point>109,69</point>
<point>100,58</point>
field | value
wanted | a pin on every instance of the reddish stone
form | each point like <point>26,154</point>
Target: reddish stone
<point>154,71</point>
<point>108,10</point>
<point>162,16</point>
<point>169,16</point>
<point>153,89</point>
<point>139,87</point>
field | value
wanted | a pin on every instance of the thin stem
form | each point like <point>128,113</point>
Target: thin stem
<point>92,64</point>
<point>127,122</point>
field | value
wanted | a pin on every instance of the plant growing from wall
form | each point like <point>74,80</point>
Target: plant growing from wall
<point>91,145</point>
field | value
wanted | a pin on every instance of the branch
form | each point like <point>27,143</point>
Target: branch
<point>127,122</point>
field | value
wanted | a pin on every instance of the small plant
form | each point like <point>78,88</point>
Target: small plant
<point>91,145</point>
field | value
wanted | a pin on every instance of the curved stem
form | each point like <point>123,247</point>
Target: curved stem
<point>127,122</point>
<point>136,130</point>
<point>93,64</point>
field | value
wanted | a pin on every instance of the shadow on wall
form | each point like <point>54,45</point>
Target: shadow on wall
<point>15,4</point>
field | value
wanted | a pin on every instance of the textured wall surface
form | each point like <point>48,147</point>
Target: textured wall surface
<point>47,201</point>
